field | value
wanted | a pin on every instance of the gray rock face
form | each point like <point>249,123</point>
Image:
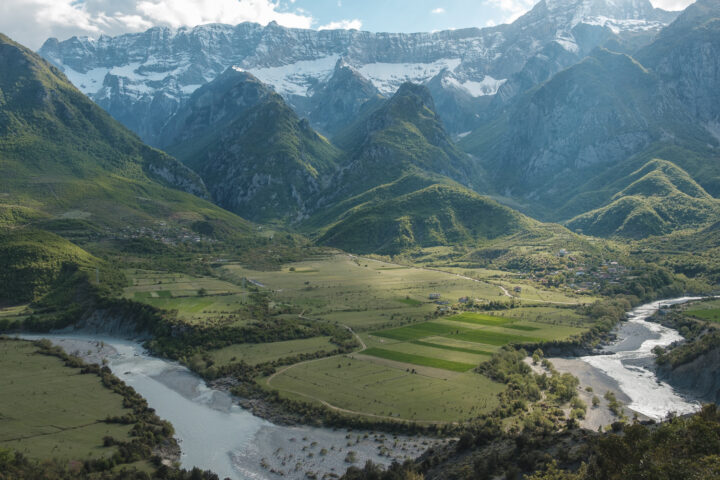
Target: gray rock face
<point>338,102</point>
<point>686,58</point>
<point>700,377</point>
<point>254,153</point>
<point>142,79</point>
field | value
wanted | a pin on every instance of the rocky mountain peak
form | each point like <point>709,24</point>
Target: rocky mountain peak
<point>418,95</point>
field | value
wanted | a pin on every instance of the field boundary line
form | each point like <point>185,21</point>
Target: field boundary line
<point>363,347</point>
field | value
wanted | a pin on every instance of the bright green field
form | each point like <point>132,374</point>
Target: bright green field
<point>707,310</point>
<point>254,353</point>
<point>462,340</point>
<point>49,410</point>
<point>390,391</point>
<point>438,343</point>
<point>494,338</point>
<point>712,315</point>
<point>421,330</point>
<point>479,319</point>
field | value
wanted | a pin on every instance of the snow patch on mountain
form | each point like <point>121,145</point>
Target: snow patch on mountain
<point>627,25</point>
<point>487,86</point>
<point>387,77</point>
<point>297,78</point>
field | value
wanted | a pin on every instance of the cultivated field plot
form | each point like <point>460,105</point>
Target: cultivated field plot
<point>255,353</point>
<point>197,299</point>
<point>708,311</point>
<point>48,410</point>
<point>530,293</point>
<point>548,314</point>
<point>388,390</point>
<point>362,293</point>
<point>459,342</point>
<point>422,360</point>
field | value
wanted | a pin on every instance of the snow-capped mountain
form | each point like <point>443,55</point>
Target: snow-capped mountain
<point>143,78</point>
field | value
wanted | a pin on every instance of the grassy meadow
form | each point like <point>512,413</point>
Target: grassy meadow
<point>49,410</point>
<point>376,388</point>
<point>361,293</point>
<point>707,310</point>
<point>256,353</point>
<point>198,300</point>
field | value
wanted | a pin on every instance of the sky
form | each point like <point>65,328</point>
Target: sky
<point>31,22</point>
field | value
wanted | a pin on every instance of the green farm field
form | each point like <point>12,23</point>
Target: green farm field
<point>255,353</point>
<point>386,390</point>
<point>48,410</point>
<point>409,348</point>
<point>707,310</point>
<point>424,353</point>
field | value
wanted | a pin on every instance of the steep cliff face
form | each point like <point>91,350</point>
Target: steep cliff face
<point>594,114</point>
<point>337,103</point>
<point>62,152</point>
<point>256,156</point>
<point>142,79</point>
<point>700,377</point>
<point>686,58</point>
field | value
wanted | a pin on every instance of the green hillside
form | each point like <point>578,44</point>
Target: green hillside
<point>31,261</point>
<point>64,160</point>
<point>432,216</point>
<point>402,135</point>
<point>257,157</point>
<point>659,198</point>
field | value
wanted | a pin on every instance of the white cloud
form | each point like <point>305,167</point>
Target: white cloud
<point>671,4</point>
<point>177,13</point>
<point>354,24</point>
<point>438,10</point>
<point>32,21</point>
<point>512,9</point>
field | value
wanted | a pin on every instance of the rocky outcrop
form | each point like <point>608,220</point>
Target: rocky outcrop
<point>111,322</point>
<point>337,103</point>
<point>699,377</point>
<point>171,172</point>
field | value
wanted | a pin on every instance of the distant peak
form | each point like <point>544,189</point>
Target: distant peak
<point>414,89</point>
<point>418,96</point>
<point>341,63</point>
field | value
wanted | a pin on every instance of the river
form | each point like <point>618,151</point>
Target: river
<point>216,434</point>
<point>630,362</point>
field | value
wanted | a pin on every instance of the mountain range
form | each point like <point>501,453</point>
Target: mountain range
<point>142,79</point>
<point>599,115</point>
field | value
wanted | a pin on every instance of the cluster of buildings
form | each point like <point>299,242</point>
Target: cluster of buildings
<point>582,278</point>
<point>160,232</point>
